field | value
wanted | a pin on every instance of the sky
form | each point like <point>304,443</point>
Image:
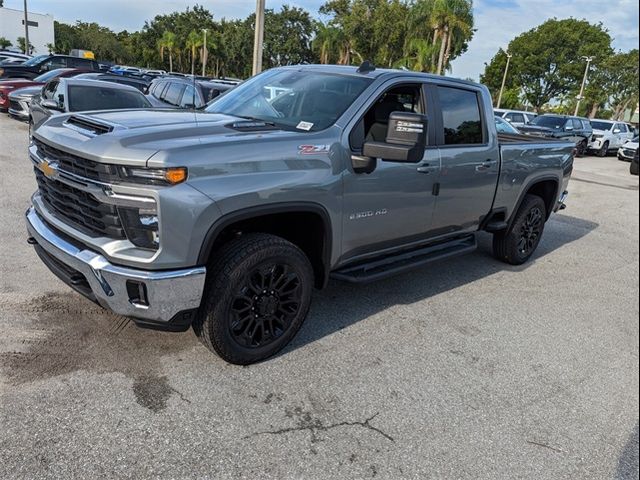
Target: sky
<point>496,21</point>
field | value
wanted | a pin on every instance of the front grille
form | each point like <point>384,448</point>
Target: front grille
<point>79,208</point>
<point>75,164</point>
<point>13,105</point>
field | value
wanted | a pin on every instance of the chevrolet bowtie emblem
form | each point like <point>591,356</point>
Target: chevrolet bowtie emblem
<point>47,169</point>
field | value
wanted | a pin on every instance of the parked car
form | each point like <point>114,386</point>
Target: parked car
<point>186,93</point>
<point>608,135</point>
<point>136,82</point>
<point>124,70</point>
<point>43,63</point>
<point>9,85</point>
<point>575,129</point>
<point>20,102</point>
<point>633,168</point>
<point>627,151</point>
<point>226,219</point>
<point>517,118</point>
<point>73,95</point>
<point>8,57</point>
<point>503,126</point>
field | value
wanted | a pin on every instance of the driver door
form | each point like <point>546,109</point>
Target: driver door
<point>393,205</point>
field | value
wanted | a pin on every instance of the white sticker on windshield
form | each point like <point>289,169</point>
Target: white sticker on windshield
<point>306,126</point>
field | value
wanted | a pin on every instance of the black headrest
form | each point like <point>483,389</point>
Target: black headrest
<point>384,109</point>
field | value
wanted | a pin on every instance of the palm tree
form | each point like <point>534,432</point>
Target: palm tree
<point>167,42</point>
<point>332,45</point>
<point>193,43</point>
<point>418,54</point>
<point>452,22</point>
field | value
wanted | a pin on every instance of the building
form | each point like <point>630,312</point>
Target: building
<point>40,28</point>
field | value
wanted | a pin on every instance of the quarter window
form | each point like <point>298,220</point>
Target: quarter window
<point>173,93</point>
<point>460,116</point>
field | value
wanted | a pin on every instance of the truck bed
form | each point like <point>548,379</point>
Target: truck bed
<point>504,138</point>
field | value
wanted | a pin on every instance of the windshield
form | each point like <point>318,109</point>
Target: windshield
<point>549,122</point>
<point>83,98</point>
<point>505,127</point>
<point>45,77</point>
<point>601,125</point>
<point>35,60</point>
<point>293,99</point>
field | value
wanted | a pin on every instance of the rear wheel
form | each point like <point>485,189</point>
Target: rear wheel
<point>604,150</point>
<point>256,298</point>
<point>517,244</point>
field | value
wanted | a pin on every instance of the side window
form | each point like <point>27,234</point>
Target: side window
<point>373,125</point>
<point>58,95</point>
<point>622,127</point>
<point>190,98</point>
<point>515,117</point>
<point>49,89</point>
<point>577,124</point>
<point>55,62</point>
<point>586,124</point>
<point>460,116</point>
<point>173,93</point>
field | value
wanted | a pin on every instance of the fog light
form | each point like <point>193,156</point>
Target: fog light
<point>141,226</point>
<point>137,292</point>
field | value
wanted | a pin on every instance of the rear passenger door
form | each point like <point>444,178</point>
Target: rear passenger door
<point>469,160</point>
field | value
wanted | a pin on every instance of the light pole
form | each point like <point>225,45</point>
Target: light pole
<point>204,52</point>
<point>259,37</point>
<point>26,30</point>
<point>584,81</point>
<point>504,79</point>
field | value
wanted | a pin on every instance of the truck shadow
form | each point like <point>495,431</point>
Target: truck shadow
<point>344,304</point>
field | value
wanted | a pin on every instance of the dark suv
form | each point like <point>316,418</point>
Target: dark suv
<point>576,129</point>
<point>186,93</point>
<point>43,63</point>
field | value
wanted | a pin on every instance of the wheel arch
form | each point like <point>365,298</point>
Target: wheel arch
<point>546,187</point>
<point>314,238</point>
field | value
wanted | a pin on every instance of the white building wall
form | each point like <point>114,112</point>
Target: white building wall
<point>12,27</point>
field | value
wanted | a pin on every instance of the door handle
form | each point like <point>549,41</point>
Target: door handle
<point>484,166</point>
<point>426,168</point>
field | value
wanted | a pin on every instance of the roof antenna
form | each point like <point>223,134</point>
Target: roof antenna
<point>366,67</point>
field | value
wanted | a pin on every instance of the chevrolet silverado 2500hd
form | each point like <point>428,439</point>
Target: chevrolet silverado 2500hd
<point>226,219</point>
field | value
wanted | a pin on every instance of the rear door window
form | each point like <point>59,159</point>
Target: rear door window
<point>515,117</point>
<point>173,93</point>
<point>577,124</point>
<point>461,116</point>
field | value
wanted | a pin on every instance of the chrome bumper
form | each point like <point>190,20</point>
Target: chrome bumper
<point>167,293</point>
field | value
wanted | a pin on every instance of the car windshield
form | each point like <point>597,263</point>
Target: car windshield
<point>549,122</point>
<point>82,97</point>
<point>292,99</point>
<point>601,125</point>
<point>35,60</point>
<point>505,127</point>
<point>45,77</point>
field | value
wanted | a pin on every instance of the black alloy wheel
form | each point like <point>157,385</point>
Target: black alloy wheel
<point>530,231</point>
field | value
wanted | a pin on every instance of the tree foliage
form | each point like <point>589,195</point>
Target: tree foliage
<point>4,43</point>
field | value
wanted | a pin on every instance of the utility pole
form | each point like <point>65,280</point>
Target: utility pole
<point>504,79</point>
<point>204,53</point>
<point>259,37</point>
<point>584,81</point>
<point>26,30</point>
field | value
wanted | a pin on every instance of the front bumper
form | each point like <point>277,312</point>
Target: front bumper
<point>596,143</point>
<point>19,109</point>
<point>166,299</point>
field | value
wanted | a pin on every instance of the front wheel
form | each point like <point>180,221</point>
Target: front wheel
<point>582,148</point>
<point>516,245</point>
<point>257,296</point>
<point>604,150</point>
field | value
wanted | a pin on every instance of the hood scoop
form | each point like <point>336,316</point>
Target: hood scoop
<point>251,125</point>
<point>88,126</point>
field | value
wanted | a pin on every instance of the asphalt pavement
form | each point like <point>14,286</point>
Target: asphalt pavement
<point>465,369</point>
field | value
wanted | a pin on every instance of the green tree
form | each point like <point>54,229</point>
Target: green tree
<point>194,41</point>
<point>4,43</point>
<point>22,45</point>
<point>166,44</point>
<point>547,61</point>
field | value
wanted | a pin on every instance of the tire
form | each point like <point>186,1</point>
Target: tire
<point>582,148</point>
<point>604,150</point>
<point>256,298</point>
<point>516,245</point>
<point>633,168</point>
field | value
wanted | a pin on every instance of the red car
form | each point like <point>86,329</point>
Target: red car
<point>8,85</point>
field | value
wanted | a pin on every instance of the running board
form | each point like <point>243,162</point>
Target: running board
<point>404,261</point>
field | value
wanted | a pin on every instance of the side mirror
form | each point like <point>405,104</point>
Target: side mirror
<point>568,128</point>
<point>616,130</point>
<point>51,105</point>
<point>405,142</point>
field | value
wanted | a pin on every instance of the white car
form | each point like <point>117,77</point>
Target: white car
<point>608,135</point>
<point>517,118</point>
<point>628,150</point>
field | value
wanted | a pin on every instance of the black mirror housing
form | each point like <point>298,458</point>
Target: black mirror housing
<point>405,141</point>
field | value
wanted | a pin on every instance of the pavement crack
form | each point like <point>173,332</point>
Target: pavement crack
<point>318,426</point>
<point>544,445</point>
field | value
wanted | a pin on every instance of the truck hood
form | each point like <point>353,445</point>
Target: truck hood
<point>131,137</point>
<point>534,129</point>
<point>26,92</point>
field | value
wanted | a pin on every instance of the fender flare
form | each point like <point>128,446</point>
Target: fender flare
<point>526,189</point>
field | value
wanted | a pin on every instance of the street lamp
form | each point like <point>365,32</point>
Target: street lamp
<point>204,52</point>
<point>259,37</point>
<point>26,30</point>
<point>504,79</point>
<point>584,81</point>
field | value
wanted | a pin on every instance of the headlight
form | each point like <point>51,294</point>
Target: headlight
<point>154,176</point>
<point>141,226</point>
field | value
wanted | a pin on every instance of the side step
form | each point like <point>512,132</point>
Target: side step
<point>404,261</point>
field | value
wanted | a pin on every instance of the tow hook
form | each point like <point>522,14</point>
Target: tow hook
<point>32,241</point>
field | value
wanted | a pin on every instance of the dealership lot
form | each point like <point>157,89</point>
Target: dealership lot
<point>464,369</point>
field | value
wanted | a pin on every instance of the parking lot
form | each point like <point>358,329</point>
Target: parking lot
<point>465,369</point>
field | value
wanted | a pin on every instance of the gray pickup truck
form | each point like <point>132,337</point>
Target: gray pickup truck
<point>226,219</point>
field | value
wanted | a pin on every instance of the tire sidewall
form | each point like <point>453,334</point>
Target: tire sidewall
<point>218,314</point>
<point>531,202</point>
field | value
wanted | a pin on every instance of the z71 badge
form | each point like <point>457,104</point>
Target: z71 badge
<point>313,149</point>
